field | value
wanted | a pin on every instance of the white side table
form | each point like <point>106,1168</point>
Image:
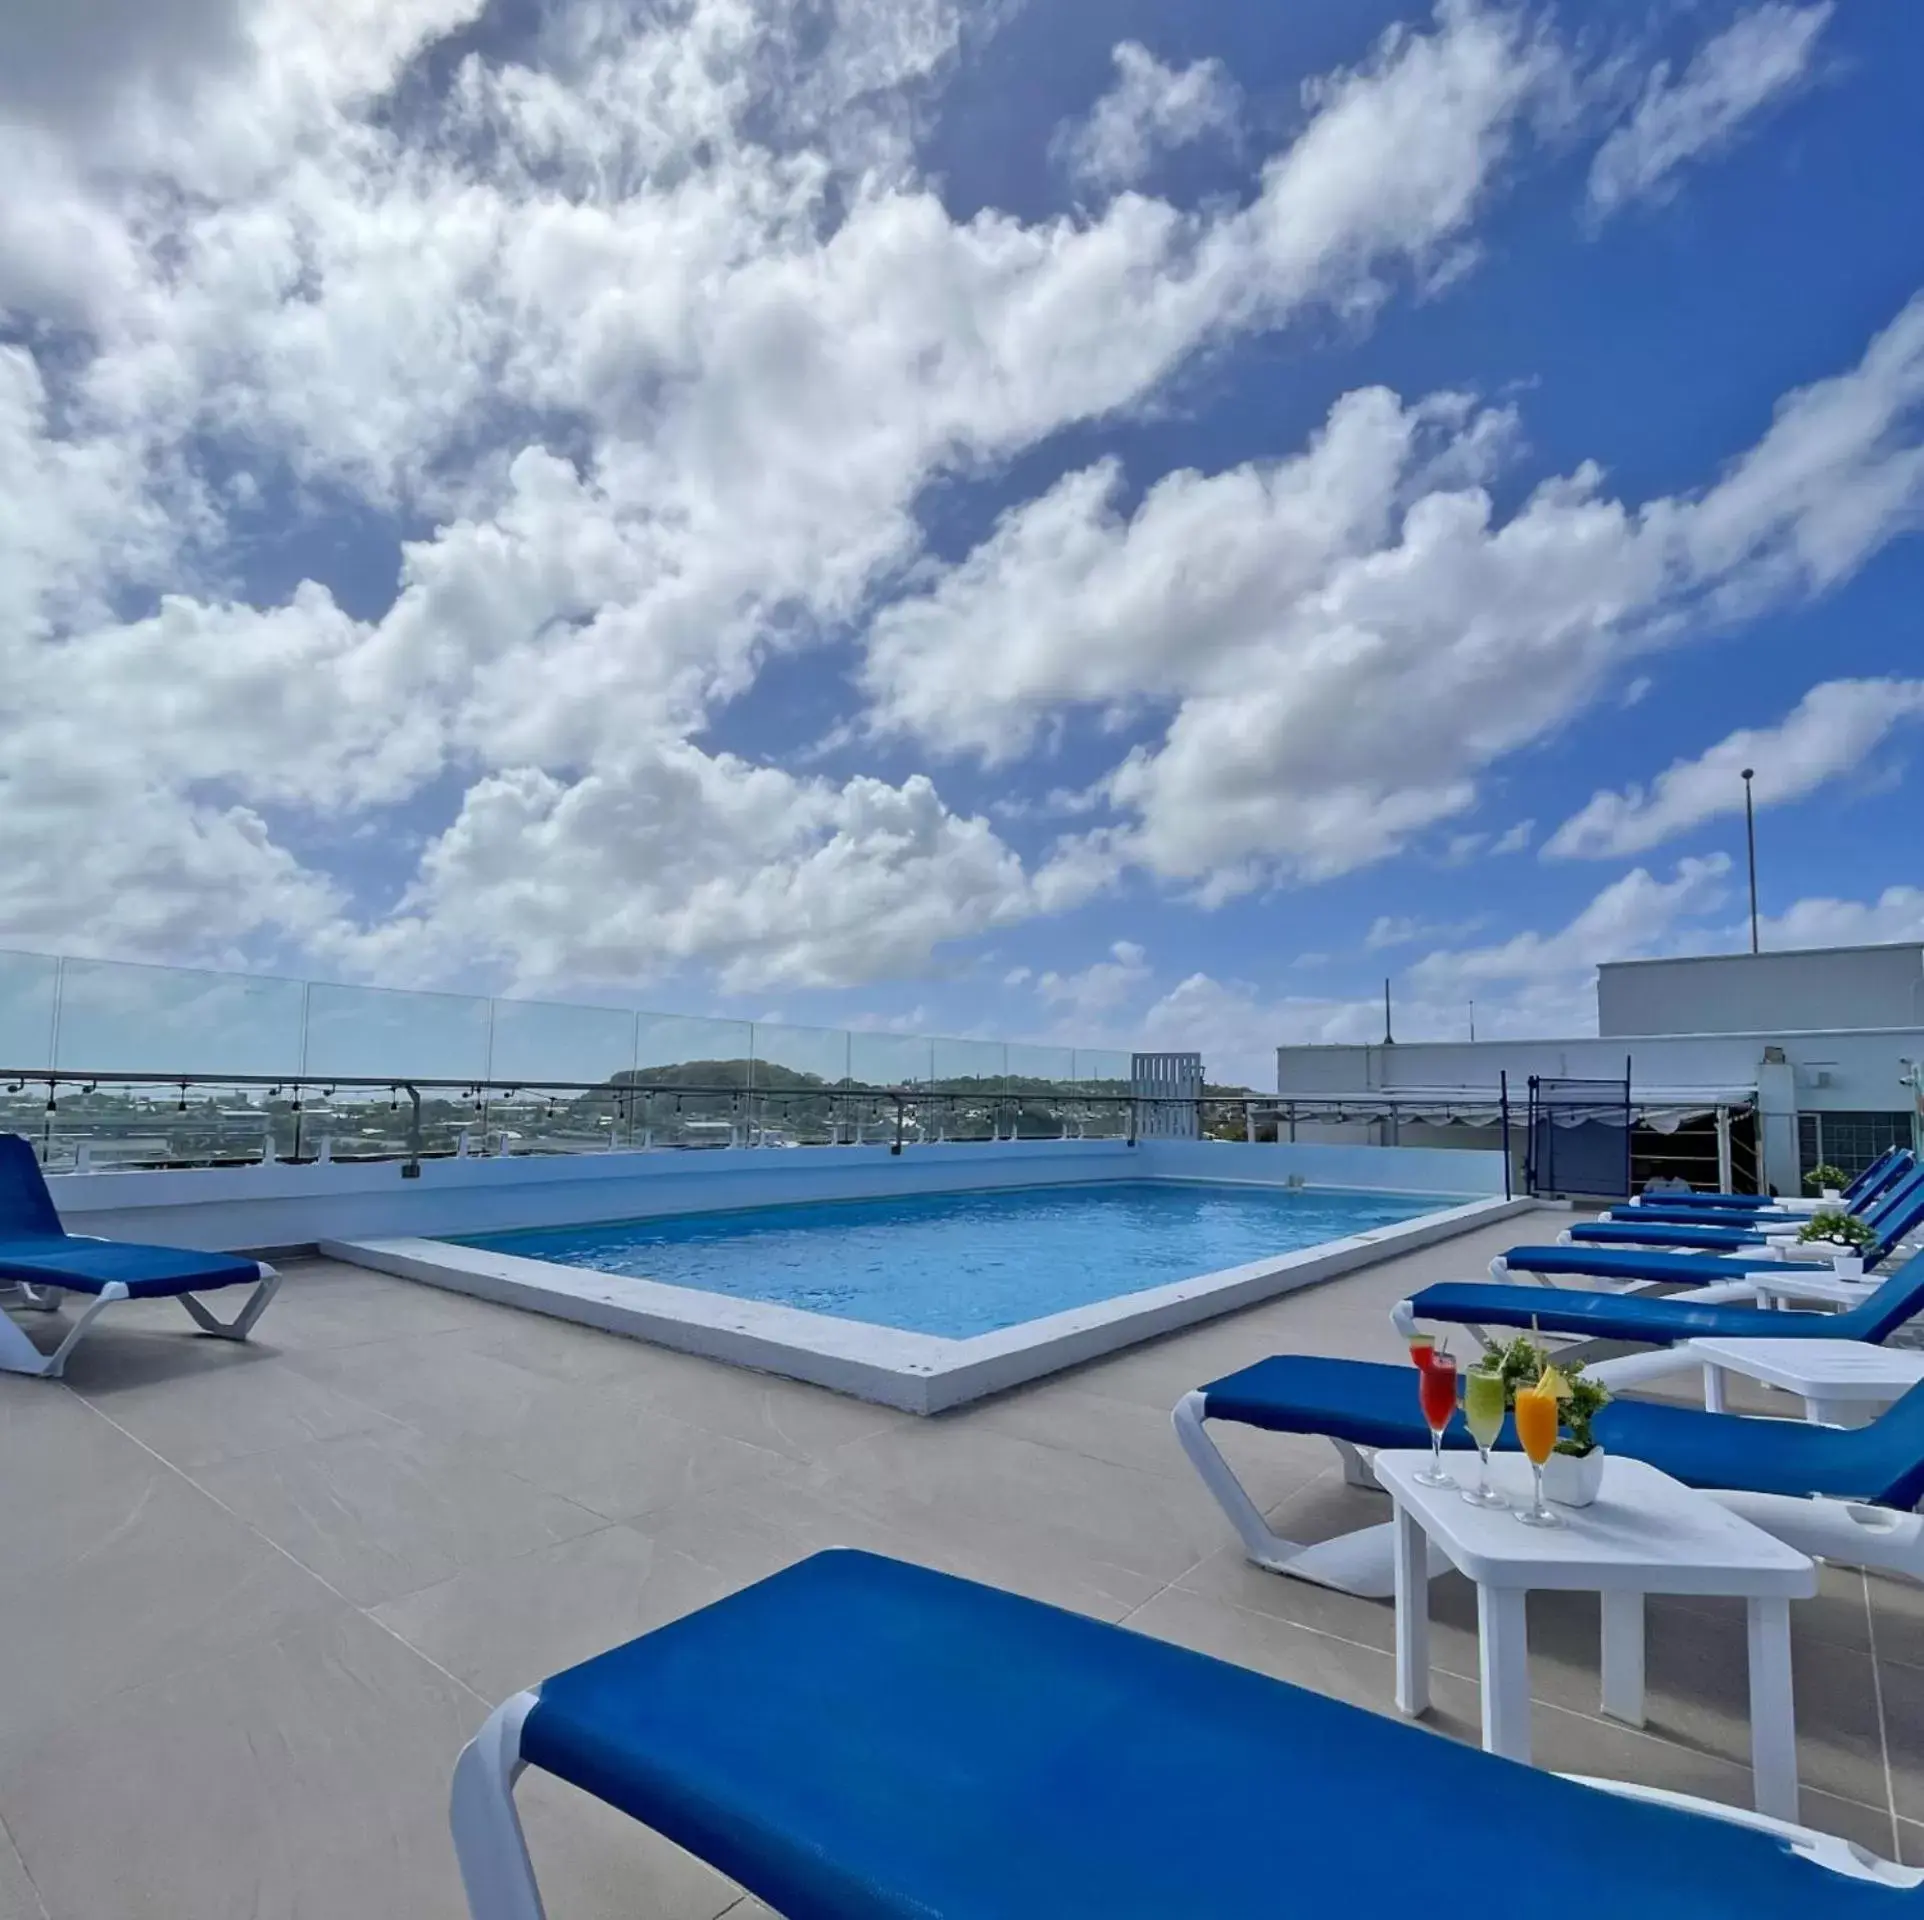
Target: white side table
<point>1834,1377</point>
<point>1647,1533</point>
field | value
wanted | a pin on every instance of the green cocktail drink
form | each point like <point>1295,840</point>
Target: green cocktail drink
<point>1484,1405</point>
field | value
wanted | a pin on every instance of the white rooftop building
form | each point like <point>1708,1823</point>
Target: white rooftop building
<point>1741,1062</point>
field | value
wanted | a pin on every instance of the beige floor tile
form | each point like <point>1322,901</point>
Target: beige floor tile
<point>781,1416</point>
<point>1903,1690</point>
<point>1340,1668</point>
<point>596,1447</point>
<point>436,1382</point>
<point>302,1776</point>
<point>1897,1617</point>
<point>377,1517</point>
<point>1839,1615</point>
<point>971,1486</point>
<point>323,1303</point>
<point>506,1626</point>
<point>218,1401</point>
<point>1058,1413</point>
<point>751,1528</point>
<point>19,1897</point>
<point>158,1579</point>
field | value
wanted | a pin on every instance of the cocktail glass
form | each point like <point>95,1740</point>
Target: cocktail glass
<point>1483,1410</point>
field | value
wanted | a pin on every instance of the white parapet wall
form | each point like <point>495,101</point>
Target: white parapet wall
<point>277,1205</point>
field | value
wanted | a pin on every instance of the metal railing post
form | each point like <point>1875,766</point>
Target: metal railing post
<point>1503,1086</point>
<point>411,1170</point>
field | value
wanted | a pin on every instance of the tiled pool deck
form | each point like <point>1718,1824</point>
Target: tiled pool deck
<point>256,1598</point>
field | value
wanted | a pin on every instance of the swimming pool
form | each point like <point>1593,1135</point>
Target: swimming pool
<point>958,1265</point>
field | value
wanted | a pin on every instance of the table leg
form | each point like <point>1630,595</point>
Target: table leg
<point>1623,1657</point>
<point>1824,1413</point>
<point>1713,1388</point>
<point>1773,1720</point>
<point>1412,1615</point>
<point>1504,1648</point>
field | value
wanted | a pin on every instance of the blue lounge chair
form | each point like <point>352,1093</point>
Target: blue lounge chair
<point>1710,1210</point>
<point>859,1739</point>
<point>1641,1266</point>
<point>1889,1166</point>
<point>1663,1322</point>
<point>1890,1218</point>
<point>1845,1493</point>
<point>40,1259</point>
<point>1779,1216</point>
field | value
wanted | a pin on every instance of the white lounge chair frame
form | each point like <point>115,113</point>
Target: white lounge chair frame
<point>18,1354</point>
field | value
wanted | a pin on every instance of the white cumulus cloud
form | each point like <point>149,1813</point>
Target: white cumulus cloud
<point>641,337</point>
<point>1342,641</point>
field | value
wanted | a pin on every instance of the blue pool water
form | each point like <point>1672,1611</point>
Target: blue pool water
<point>957,1264</point>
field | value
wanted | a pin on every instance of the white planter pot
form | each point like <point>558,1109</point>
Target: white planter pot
<point>1848,1266</point>
<point>1831,1193</point>
<point>1573,1482</point>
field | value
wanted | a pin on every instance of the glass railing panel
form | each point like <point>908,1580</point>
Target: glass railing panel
<point>120,1018</point>
<point>1039,1081</point>
<point>882,1061</point>
<point>376,1033</point>
<point>971,1077</point>
<point>889,1060</point>
<point>542,1043</point>
<point>801,1082</point>
<point>27,987</point>
<point>691,1082</point>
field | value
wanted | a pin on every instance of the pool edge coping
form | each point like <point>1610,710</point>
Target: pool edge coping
<point>914,1372</point>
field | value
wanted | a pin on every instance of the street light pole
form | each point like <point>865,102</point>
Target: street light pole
<point>1750,836</point>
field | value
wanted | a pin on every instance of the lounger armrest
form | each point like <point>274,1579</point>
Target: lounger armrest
<point>1824,1849</point>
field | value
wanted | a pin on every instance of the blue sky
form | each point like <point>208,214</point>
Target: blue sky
<point>1106,522</point>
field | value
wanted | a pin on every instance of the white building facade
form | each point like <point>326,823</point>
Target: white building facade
<point>1824,1048</point>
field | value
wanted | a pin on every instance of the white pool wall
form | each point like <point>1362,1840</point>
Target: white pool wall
<point>280,1206</point>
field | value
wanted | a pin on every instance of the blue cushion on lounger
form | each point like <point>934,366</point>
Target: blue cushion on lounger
<point>857,1739</point>
<point>1627,1263</point>
<point>1374,1405</point>
<point>1621,1316</point>
<point>149,1273</point>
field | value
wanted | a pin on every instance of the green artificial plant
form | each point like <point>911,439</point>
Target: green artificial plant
<point>1838,1229</point>
<point>1522,1363</point>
